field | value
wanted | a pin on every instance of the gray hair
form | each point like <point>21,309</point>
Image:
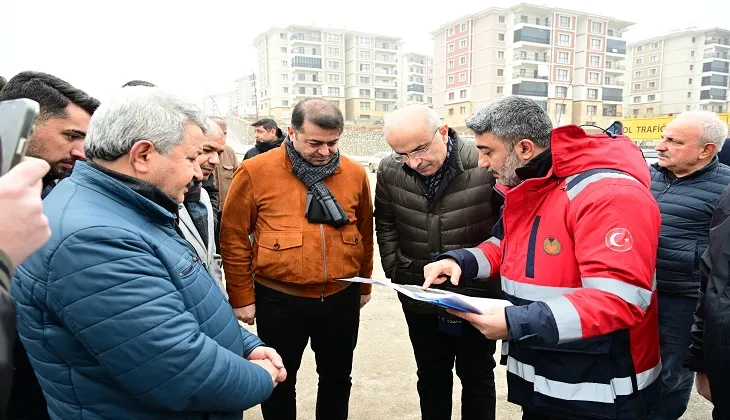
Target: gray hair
<point>140,113</point>
<point>714,130</point>
<point>511,119</point>
<point>214,130</point>
<point>413,114</point>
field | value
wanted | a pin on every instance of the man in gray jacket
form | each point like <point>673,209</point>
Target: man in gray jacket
<point>197,219</point>
<point>430,198</point>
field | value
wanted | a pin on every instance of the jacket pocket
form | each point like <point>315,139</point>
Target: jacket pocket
<point>279,256</point>
<point>575,378</point>
<point>352,251</point>
<point>227,171</point>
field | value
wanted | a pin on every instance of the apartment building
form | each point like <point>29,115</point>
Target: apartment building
<point>681,71</point>
<point>246,96</point>
<point>221,104</point>
<point>416,80</point>
<point>355,71</point>
<point>572,63</point>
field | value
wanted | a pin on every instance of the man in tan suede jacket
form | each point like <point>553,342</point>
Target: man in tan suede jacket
<point>311,214</point>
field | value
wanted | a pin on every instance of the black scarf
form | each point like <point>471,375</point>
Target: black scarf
<point>324,208</point>
<point>538,167</point>
<point>433,182</point>
<point>197,210</point>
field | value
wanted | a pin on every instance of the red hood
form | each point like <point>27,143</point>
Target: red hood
<point>574,151</point>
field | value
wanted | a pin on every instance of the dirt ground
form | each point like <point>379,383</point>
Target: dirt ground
<point>384,371</point>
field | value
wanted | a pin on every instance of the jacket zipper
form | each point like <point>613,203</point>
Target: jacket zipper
<point>665,190</point>
<point>324,262</point>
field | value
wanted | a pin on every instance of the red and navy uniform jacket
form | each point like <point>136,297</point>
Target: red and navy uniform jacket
<point>576,254</point>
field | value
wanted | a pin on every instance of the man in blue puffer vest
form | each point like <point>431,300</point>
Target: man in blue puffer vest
<point>686,182</point>
<point>118,316</point>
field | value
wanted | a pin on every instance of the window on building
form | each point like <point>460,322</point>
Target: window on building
<point>689,95</point>
<point>284,102</point>
<point>691,67</point>
<point>592,93</point>
<point>462,60</point>
<point>365,80</point>
<point>688,108</point>
<point>451,47</point>
<point>451,111</point>
<point>385,107</point>
<point>451,96</point>
<point>365,68</point>
<point>691,53</point>
<point>693,40</point>
<point>463,27</point>
<point>654,45</point>
<point>591,110</point>
<point>462,110</point>
<point>286,89</point>
<point>500,54</point>
<point>637,86</point>
<point>560,108</point>
<point>640,48</point>
<point>639,61</point>
<point>451,80</point>
<point>637,99</point>
<point>282,49</point>
<point>302,90</point>
<point>654,58</point>
<point>561,92</point>
<point>284,76</point>
<point>565,21</point>
<point>364,106</point>
<point>563,75</point>
<point>334,78</point>
<point>282,36</point>
<point>365,42</point>
<point>365,55</point>
<point>500,19</point>
<point>364,93</point>
<point>563,57</point>
<point>564,40</point>
<point>301,77</point>
<point>595,61</point>
<point>637,73</point>
<point>650,111</point>
<point>594,77</point>
<point>333,38</point>
<point>462,94</point>
<point>284,63</point>
<point>462,44</point>
<point>451,31</point>
<point>651,98</point>
<point>500,89</point>
<point>333,51</point>
<point>333,91</point>
<point>451,64</point>
<point>652,72</point>
<point>500,72</point>
<point>462,77</point>
<point>333,65</point>
<point>500,37</point>
<point>652,84</point>
<point>597,27</point>
<point>689,82</point>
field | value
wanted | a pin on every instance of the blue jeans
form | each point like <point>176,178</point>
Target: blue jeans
<point>675,322</point>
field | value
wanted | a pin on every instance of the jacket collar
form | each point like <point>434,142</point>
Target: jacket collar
<point>708,168</point>
<point>101,181</point>
<point>538,167</point>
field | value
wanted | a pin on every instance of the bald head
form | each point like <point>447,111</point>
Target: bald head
<point>222,124</point>
<point>415,133</point>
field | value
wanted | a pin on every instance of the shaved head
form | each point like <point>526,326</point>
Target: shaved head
<point>415,132</point>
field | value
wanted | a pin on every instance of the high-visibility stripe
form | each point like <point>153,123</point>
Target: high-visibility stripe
<point>566,319</point>
<point>578,187</point>
<point>533,292</point>
<point>582,391</point>
<point>484,267</point>
<point>631,294</point>
<point>494,240</point>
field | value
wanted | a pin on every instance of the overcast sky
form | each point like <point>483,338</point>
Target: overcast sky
<point>199,47</point>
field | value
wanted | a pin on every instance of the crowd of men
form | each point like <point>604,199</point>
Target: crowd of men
<point>118,228</point>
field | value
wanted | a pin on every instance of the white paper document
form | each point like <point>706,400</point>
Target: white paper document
<point>439,297</point>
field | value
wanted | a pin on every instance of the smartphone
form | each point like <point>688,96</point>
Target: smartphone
<point>17,121</point>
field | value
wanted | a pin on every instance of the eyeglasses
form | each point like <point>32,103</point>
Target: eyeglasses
<point>418,153</point>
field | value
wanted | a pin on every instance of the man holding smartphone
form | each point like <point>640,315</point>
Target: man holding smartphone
<point>58,139</point>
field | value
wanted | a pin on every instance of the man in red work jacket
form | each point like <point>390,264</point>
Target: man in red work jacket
<point>576,252</point>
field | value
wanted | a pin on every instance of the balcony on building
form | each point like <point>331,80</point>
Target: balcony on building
<point>714,94</point>
<point>417,61</point>
<point>715,80</point>
<point>301,38</point>
<point>415,88</point>
<point>616,46</point>
<point>386,72</point>
<point>391,46</point>
<point>720,38</point>
<point>307,92</point>
<point>532,55</point>
<point>613,81</point>
<point>307,51</point>
<point>722,55</point>
<point>386,59</point>
<point>610,110</point>
<point>615,32</point>
<point>303,62</point>
<point>386,84</point>
<point>615,67</point>
<point>716,66</point>
<point>381,95</point>
<point>527,72</point>
<point>535,89</point>
<point>530,19</point>
<point>612,95</point>
<point>538,36</point>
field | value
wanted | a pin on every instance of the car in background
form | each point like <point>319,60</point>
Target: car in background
<point>374,161</point>
<point>651,156</point>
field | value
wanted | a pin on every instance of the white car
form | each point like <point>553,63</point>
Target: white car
<point>374,161</point>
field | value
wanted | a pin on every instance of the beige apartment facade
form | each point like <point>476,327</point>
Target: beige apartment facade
<point>569,62</point>
<point>681,71</point>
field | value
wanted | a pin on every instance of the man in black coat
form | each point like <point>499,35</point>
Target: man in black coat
<point>268,136</point>
<point>686,182</point>
<point>430,198</point>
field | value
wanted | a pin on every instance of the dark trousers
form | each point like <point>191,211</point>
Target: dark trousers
<point>286,323</point>
<point>26,397</point>
<point>436,352</point>
<point>676,316</point>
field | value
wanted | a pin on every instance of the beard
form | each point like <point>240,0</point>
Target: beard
<point>508,175</point>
